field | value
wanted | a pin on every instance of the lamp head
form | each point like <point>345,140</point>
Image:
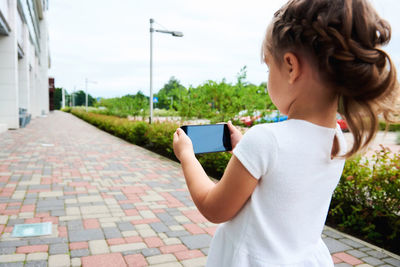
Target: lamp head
<point>177,34</point>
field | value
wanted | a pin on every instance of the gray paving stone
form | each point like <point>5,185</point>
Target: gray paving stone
<point>75,225</point>
<point>165,217</point>
<point>131,252</point>
<point>60,248</point>
<point>196,241</point>
<point>85,235</point>
<point>36,264</point>
<point>112,232</point>
<point>365,249</point>
<point>120,197</point>
<point>7,250</point>
<point>373,261</point>
<point>39,186</point>
<point>12,222</point>
<point>392,261</point>
<point>12,264</point>
<point>377,254</point>
<point>159,227</point>
<point>177,233</point>
<point>331,234</point>
<point>127,206</point>
<point>351,243</point>
<point>150,252</point>
<point>58,213</point>
<point>335,246</point>
<point>31,195</point>
<point>205,251</point>
<point>50,203</point>
<point>30,201</point>
<point>16,243</point>
<point>126,226</point>
<point>79,253</point>
<point>356,253</point>
<point>343,265</point>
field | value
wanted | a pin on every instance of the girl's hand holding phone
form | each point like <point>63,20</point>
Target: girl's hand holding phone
<point>236,135</point>
<point>182,145</point>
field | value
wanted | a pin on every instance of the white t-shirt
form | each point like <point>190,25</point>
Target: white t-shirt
<point>282,222</point>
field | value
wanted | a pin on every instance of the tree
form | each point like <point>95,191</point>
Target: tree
<point>57,98</point>
<point>80,99</point>
<point>171,95</point>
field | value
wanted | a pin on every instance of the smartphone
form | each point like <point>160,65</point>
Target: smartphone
<point>209,138</point>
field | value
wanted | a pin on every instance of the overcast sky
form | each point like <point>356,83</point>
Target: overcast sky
<point>108,42</point>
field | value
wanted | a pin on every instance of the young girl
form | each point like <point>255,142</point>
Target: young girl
<point>324,57</point>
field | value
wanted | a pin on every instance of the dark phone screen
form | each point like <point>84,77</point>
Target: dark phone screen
<point>209,138</point>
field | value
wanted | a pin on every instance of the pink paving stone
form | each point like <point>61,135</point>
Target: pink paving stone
<point>195,216</point>
<point>131,212</point>
<point>194,228</point>
<point>211,230</point>
<point>347,258</point>
<point>91,224</point>
<point>173,248</point>
<point>32,249</point>
<point>10,212</point>
<point>78,184</point>
<point>153,242</point>
<point>62,231</point>
<point>43,214</point>
<point>54,220</point>
<point>8,229</point>
<point>133,239</point>
<point>104,260</point>
<point>115,241</point>
<point>78,245</point>
<point>144,221</point>
<point>33,220</point>
<point>28,208</point>
<point>136,260</point>
<point>1,228</point>
<point>184,255</point>
<point>336,260</point>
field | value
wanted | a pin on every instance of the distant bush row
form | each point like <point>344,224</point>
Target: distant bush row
<point>366,202</point>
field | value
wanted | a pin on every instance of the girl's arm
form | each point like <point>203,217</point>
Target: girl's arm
<point>217,202</point>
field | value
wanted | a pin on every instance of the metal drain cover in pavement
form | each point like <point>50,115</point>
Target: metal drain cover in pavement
<point>32,229</point>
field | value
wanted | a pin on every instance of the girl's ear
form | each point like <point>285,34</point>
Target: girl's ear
<point>292,67</point>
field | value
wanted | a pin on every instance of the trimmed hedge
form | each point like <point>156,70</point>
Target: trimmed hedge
<point>366,202</point>
<point>156,137</point>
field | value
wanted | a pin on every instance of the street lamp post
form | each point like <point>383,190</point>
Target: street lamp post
<point>173,33</point>
<point>86,89</point>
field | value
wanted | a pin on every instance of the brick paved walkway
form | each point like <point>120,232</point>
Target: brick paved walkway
<point>111,203</point>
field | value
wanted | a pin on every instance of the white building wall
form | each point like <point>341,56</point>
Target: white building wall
<point>9,72</point>
<point>23,73</point>
<point>24,81</point>
<point>43,67</point>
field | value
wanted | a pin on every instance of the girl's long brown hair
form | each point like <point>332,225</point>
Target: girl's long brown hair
<point>344,39</point>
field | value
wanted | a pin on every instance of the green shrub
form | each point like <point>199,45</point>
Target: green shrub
<point>66,109</point>
<point>367,200</point>
<point>392,127</point>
